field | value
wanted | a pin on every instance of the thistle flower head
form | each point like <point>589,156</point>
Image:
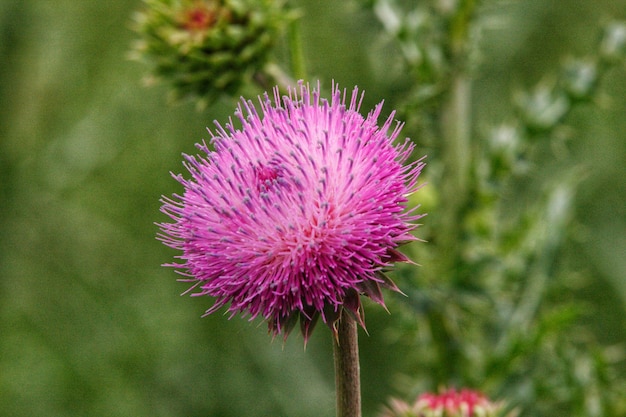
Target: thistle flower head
<point>448,403</point>
<point>297,213</point>
<point>205,48</point>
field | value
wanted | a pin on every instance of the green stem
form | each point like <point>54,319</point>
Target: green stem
<point>273,74</point>
<point>456,127</point>
<point>456,155</point>
<point>456,134</point>
<point>296,54</point>
<point>347,371</point>
<point>460,25</point>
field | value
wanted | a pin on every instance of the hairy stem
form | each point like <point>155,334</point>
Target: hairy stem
<point>347,372</point>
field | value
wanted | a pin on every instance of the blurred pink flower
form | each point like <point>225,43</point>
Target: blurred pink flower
<point>297,213</point>
<point>448,403</point>
<point>461,403</point>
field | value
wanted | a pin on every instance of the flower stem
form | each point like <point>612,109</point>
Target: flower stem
<point>347,372</point>
<point>296,53</point>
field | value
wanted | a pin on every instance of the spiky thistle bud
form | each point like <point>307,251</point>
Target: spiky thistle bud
<point>205,48</point>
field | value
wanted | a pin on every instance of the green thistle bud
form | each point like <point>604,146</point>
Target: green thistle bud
<point>205,48</point>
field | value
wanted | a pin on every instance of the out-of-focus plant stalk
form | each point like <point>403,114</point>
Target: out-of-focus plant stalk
<point>274,74</point>
<point>455,128</point>
<point>296,54</point>
<point>456,131</point>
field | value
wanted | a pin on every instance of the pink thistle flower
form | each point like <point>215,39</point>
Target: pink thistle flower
<point>296,214</point>
<point>448,403</point>
<point>461,403</point>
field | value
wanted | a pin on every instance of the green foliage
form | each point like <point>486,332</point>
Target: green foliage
<point>498,310</point>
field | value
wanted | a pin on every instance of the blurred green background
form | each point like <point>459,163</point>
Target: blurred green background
<point>91,325</point>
